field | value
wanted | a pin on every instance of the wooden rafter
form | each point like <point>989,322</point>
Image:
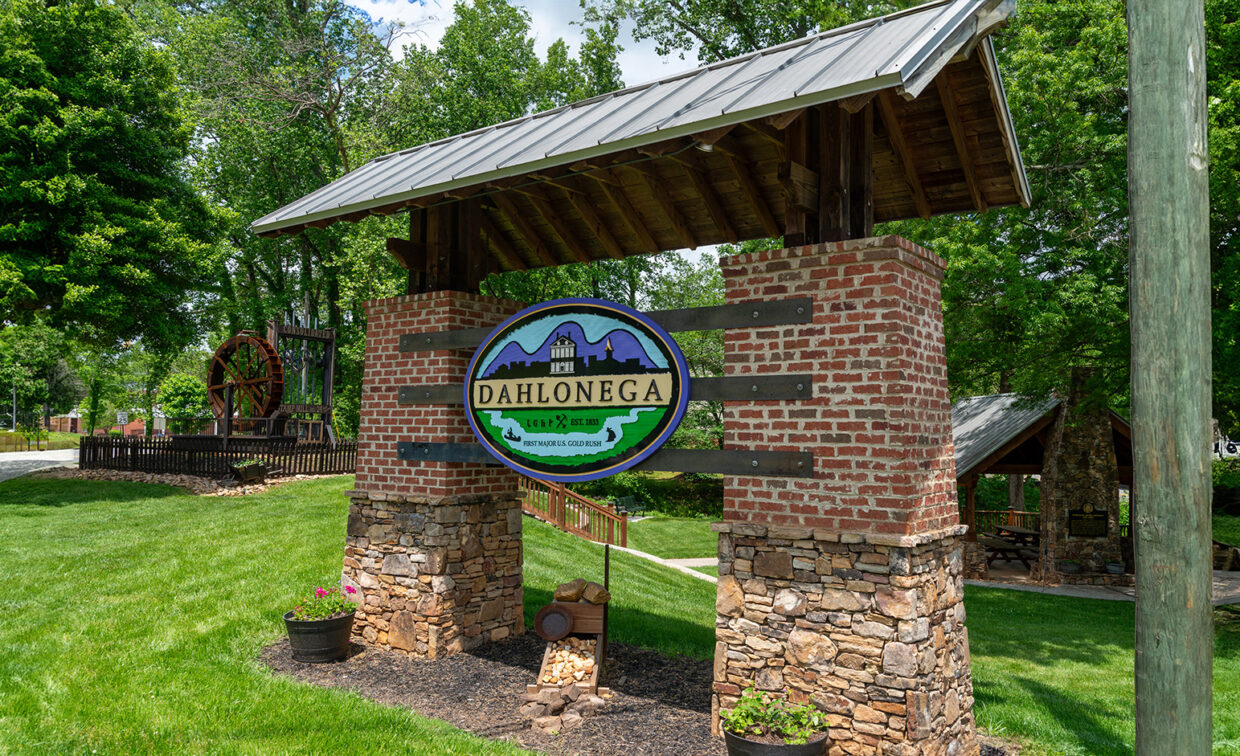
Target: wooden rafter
<point>542,206</point>
<point>581,202</point>
<point>962,147</point>
<point>904,156</point>
<point>505,207</point>
<point>712,136</point>
<point>782,120</point>
<point>614,191</point>
<point>654,184</point>
<point>749,186</point>
<point>501,245</point>
<point>713,205</point>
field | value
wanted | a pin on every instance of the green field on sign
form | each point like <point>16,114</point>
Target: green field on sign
<point>544,421</point>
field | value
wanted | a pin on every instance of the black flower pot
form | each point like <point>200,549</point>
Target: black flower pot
<point>318,641</point>
<point>741,746</point>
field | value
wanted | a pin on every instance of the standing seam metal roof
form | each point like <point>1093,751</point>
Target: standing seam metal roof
<point>823,68</point>
<point>981,425</point>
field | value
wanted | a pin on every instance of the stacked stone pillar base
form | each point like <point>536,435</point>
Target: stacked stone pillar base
<point>868,627</point>
<point>435,577</point>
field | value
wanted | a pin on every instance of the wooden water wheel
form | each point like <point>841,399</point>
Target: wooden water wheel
<point>252,368</point>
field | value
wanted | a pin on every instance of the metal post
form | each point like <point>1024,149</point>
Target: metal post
<point>1170,313</point>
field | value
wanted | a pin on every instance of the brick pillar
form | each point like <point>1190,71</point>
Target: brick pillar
<point>434,548</point>
<point>845,589</point>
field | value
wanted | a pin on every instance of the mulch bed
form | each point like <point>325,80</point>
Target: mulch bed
<point>659,704</point>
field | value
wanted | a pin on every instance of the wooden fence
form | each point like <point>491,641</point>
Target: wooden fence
<point>206,457</point>
<point>989,519</point>
<point>573,513</point>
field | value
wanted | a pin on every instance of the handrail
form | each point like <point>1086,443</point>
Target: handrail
<point>573,513</point>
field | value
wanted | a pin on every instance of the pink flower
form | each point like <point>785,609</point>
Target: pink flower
<point>320,592</point>
<point>350,589</point>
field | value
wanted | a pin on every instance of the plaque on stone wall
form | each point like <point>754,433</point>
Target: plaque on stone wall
<point>1087,522</point>
<point>575,389</point>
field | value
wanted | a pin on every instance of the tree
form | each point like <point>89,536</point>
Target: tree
<point>183,400</point>
<point>99,226</point>
<point>35,372</point>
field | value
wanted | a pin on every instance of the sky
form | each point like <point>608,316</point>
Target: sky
<point>550,20</point>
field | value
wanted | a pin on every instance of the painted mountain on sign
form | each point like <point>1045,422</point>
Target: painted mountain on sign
<point>624,347</point>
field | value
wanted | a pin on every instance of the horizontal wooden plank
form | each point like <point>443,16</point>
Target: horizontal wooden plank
<point>743,315</point>
<point>730,389</point>
<point>726,462</point>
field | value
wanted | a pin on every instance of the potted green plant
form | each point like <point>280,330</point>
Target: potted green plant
<point>1070,567</point>
<point>762,724</point>
<point>319,627</point>
<point>249,470</point>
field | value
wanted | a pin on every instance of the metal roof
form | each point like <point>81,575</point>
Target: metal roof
<point>981,425</point>
<point>903,51</point>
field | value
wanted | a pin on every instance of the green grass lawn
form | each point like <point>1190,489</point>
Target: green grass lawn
<point>1227,529</point>
<point>135,615</point>
<point>10,441</point>
<point>674,537</point>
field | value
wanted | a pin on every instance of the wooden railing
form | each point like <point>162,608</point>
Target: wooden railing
<point>573,513</point>
<point>990,519</point>
<point>204,456</point>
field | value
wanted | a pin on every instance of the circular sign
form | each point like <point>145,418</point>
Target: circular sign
<point>575,389</point>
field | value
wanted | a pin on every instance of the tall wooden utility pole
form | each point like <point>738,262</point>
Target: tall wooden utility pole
<point>1170,295</point>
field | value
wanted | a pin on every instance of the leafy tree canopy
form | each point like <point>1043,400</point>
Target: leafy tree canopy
<point>99,227</point>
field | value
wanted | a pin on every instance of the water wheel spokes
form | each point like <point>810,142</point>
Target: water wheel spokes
<point>250,366</point>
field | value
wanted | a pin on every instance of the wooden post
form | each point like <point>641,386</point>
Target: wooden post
<point>1170,314</point>
<point>970,508</point>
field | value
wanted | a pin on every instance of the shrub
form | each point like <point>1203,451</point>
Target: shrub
<point>684,495</point>
<point>761,714</point>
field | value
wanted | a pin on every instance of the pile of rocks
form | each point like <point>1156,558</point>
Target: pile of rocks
<point>571,661</point>
<point>558,709</point>
<point>580,590</point>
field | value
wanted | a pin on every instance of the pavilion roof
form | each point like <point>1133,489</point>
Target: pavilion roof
<point>618,173</point>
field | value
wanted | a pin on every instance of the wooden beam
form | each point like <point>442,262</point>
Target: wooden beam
<point>766,132</point>
<point>749,186</point>
<point>861,173</point>
<point>654,184</point>
<point>614,190</point>
<point>504,206</point>
<point>854,104</point>
<point>581,202</point>
<point>833,149</point>
<point>501,245</point>
<point>410,255</point>
<point>709,198</point>
<point>544,208</point>
<point>470,266</point>
<point>439,229</point>
<point>796,216</point>
<point>895,135</point>
<point>1169,253</point>
<point>962,148</point>
<point>713,135</point>
<point>783,120</point>
<point>415,280</point>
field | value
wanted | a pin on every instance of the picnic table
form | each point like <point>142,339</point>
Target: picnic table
<point>997,547</point>
<point>1020,535</point>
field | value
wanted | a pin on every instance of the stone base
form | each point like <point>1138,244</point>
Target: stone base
<point>870,628</point>
<point>434,577</point>
<point>975,567</point>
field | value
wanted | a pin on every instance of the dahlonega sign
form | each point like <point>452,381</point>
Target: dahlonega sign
<point>575,389</point>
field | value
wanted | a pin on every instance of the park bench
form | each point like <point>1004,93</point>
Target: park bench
<point>630,505</point>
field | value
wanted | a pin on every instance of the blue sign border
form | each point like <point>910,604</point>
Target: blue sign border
<point>672,349</point>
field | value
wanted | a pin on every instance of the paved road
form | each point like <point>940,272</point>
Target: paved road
<point>13,464</point>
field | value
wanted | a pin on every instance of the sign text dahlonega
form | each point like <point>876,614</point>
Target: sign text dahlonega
<point>575,389</point>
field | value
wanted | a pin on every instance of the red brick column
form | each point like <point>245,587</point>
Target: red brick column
<point>845,589</point>
<point>434,548</point>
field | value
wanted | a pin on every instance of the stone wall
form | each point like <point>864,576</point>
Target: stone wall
<point>433,547</point>
<point>869,628</point>
<point>436,576</point>
<point>1079,470</point>
<point>845,588</point>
